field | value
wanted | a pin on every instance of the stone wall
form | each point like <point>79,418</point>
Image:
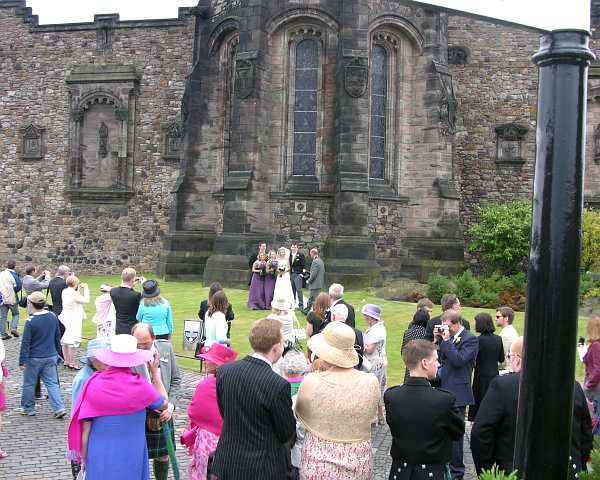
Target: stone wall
<point>43,224</point>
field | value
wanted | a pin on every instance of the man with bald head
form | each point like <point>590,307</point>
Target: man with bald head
<point>171,379</point>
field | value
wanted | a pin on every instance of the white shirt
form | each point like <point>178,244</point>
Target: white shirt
<point>263,358</point>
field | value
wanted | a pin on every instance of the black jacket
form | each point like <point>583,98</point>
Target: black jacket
<point>258,421</point>
<point>422,421</point>
<point>437,321</point>
<point>55,287</point>
<point>350,320</point>
<point>298,264</point>
<point>126,302</point>
<point>493,433</point>
<point>229,316</point>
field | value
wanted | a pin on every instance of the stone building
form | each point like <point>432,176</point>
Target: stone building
<point>368,128</point>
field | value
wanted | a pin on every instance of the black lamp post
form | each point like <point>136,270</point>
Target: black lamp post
<point>547,378</point>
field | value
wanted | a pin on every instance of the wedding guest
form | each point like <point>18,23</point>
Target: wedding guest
<point>504,319</point>
<point>316,279</point>
<point>215,323</point>
<point>205,421</point>
<point>34,284</point>
<point>256,294</point>
<point>338,432</point>
<point>281,310</point>
<point>339,313</point>
<point>155,311</point>
<point>316,318</point>
<point>126,301</point>
<point>297,269</point>
<point>3,375</point>
<point>416,331</point>
<point>336,293</point>
<point>270,277</point>
<point>591,361</point>
<point>204,304</point>
<point>110,414</point>
<point>72,317</point>
<point>105,316</point>
<point>56,286</point>
<point>262,248</point>
<point>374,339</point>
<point>10,285</point>
<point>490,354</point>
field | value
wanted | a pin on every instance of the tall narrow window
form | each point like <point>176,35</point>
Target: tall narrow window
<point>305,108</point>
<point>379,91</point>
<point>232,118</point>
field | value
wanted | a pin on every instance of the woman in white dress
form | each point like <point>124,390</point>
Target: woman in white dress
<point>72,316</point>
<point>283,283</point>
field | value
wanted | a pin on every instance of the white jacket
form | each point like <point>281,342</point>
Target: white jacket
<point>7,287</point>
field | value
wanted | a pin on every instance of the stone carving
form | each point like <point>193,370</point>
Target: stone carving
<point>33,142</point>
<point>356,76</point>
<point>103,140</point>
<point>510,136</point>
<point>458,55</point>
<point>173,136</point>
<point>447,103</point>
<point>597,144</point>
<point>105,25</point>
<point>244,78</point>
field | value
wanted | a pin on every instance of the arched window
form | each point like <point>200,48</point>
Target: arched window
<point>232,120</point>
<point>306,99</point>
<point>379,111</point>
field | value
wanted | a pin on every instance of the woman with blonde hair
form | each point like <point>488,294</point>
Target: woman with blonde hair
<point>72,316</point>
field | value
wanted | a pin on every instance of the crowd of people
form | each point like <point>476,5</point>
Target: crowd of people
<point>284,411</point>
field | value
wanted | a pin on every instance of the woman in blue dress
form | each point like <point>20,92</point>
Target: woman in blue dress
<point>107,430</point>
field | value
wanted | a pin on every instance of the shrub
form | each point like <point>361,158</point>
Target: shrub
<point>438,285</point>
<point>467,287</point>
<point>592,293</point>
<point>496,283</point>
<point>501,237</point>
<point>489,298</point>
<point>519,282</point>
<point>496,474</point>
<point>590,244</point>
<point>594,473</point>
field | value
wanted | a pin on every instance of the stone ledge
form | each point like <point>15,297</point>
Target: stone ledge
<point>300,195</point>
<point>99,195</point>
<point>103,74</point>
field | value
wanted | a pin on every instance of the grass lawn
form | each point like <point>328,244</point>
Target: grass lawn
<point>185,298</point>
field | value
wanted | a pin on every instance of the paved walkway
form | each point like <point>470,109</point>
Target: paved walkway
<point>36,445</point>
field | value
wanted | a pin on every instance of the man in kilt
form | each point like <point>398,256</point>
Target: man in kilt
<point>155,423</point>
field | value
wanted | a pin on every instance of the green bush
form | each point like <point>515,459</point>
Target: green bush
<point>496,283</point>
<point>496,474</point>
<point>594,473</point>
<point>467,287</point>
<point>591,293</point>
<point>501,237</point>
<point>438,285</point>
<point>489,298</point>
<point>590,245</point>
<point>519,282</point>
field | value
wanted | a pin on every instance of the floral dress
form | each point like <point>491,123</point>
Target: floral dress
<point>377,335</point>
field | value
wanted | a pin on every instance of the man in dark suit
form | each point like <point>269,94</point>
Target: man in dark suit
<point>262,248</point>
<point>449,302</point>
<point>55,288</point>
<point>126,301</point>
<point>458,351</point>
<point>336,292</point>
<point>422,419</point>
<point>494,429</point>
<point>298,267</point>
<point>256,406</point>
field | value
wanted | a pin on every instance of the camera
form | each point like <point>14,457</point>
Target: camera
<point>439,329</point>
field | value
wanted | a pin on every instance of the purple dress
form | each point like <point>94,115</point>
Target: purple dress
<point>256,297</point>
<point>270,283</point>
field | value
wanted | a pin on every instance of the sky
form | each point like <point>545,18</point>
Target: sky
<point>543,14</point>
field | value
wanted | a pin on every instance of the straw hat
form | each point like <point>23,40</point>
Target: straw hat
<point>123,352</point>
<point>281,304</point>
<point>335,345</point>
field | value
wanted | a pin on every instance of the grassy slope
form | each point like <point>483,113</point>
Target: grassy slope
<point>186,296</point>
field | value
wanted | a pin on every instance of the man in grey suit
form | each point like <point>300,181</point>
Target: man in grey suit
<point>316,281</point>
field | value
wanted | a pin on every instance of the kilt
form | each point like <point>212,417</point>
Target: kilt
<point>156,441</point>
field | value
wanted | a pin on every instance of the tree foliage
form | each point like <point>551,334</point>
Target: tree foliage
<point>590,245</point>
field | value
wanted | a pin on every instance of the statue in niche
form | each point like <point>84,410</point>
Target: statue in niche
<point>103,140</point>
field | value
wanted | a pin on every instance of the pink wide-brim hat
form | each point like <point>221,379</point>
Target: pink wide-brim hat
<point>114,359</point>
<point>217,354</point>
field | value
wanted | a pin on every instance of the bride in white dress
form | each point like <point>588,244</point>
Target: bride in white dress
<point>283,284</point>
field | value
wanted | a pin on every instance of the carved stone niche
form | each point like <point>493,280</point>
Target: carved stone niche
<point>172,141</point>
<point>597,144</point>
<point>33,142</point>
<point>508,145</point>
<point>101,159</point>
<point>458,55</point>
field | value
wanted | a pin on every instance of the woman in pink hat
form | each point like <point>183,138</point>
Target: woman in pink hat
<point>107,430</point>
<point>205,419</point>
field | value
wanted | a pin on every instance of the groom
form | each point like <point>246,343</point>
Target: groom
<point>297,268</point>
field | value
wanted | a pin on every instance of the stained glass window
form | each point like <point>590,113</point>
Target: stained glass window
<point>379,90</point>
<point>305,108</point>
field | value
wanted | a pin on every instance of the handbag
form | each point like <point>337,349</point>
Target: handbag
<point>23,301</point>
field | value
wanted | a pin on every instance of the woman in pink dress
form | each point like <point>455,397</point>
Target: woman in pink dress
<point>205,419</point>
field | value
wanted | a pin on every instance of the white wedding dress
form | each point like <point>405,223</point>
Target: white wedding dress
<point>283,284</point>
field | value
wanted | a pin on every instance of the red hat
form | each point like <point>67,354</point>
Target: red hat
<point>217,354</point>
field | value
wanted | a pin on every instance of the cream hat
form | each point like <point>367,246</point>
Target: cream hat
<point>335,345</point>
<point>281,304</point>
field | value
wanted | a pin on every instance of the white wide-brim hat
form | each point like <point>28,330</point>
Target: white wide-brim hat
<point>123,352</point>
<point>281,304</point>
<point>335,345</point>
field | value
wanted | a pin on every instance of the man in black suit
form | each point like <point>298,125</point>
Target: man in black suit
<point>297,268</point>
<point>56,286</point>
<point>458,352</point>
<point>449,302</point>
<point>494,429</point>
<point>336,292</point>
<point>126,301</point>
<point>262,248</point>
<point>256,406</point>
<point>422,419</point>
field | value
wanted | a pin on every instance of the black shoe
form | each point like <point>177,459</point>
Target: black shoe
<point>6,336</point>
<point>15,333</point>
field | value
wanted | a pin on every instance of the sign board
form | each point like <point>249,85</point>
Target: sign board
<point>539,14</point>
<point>191,334</point>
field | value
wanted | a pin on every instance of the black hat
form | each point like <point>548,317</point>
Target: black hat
<point>150,289</point>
